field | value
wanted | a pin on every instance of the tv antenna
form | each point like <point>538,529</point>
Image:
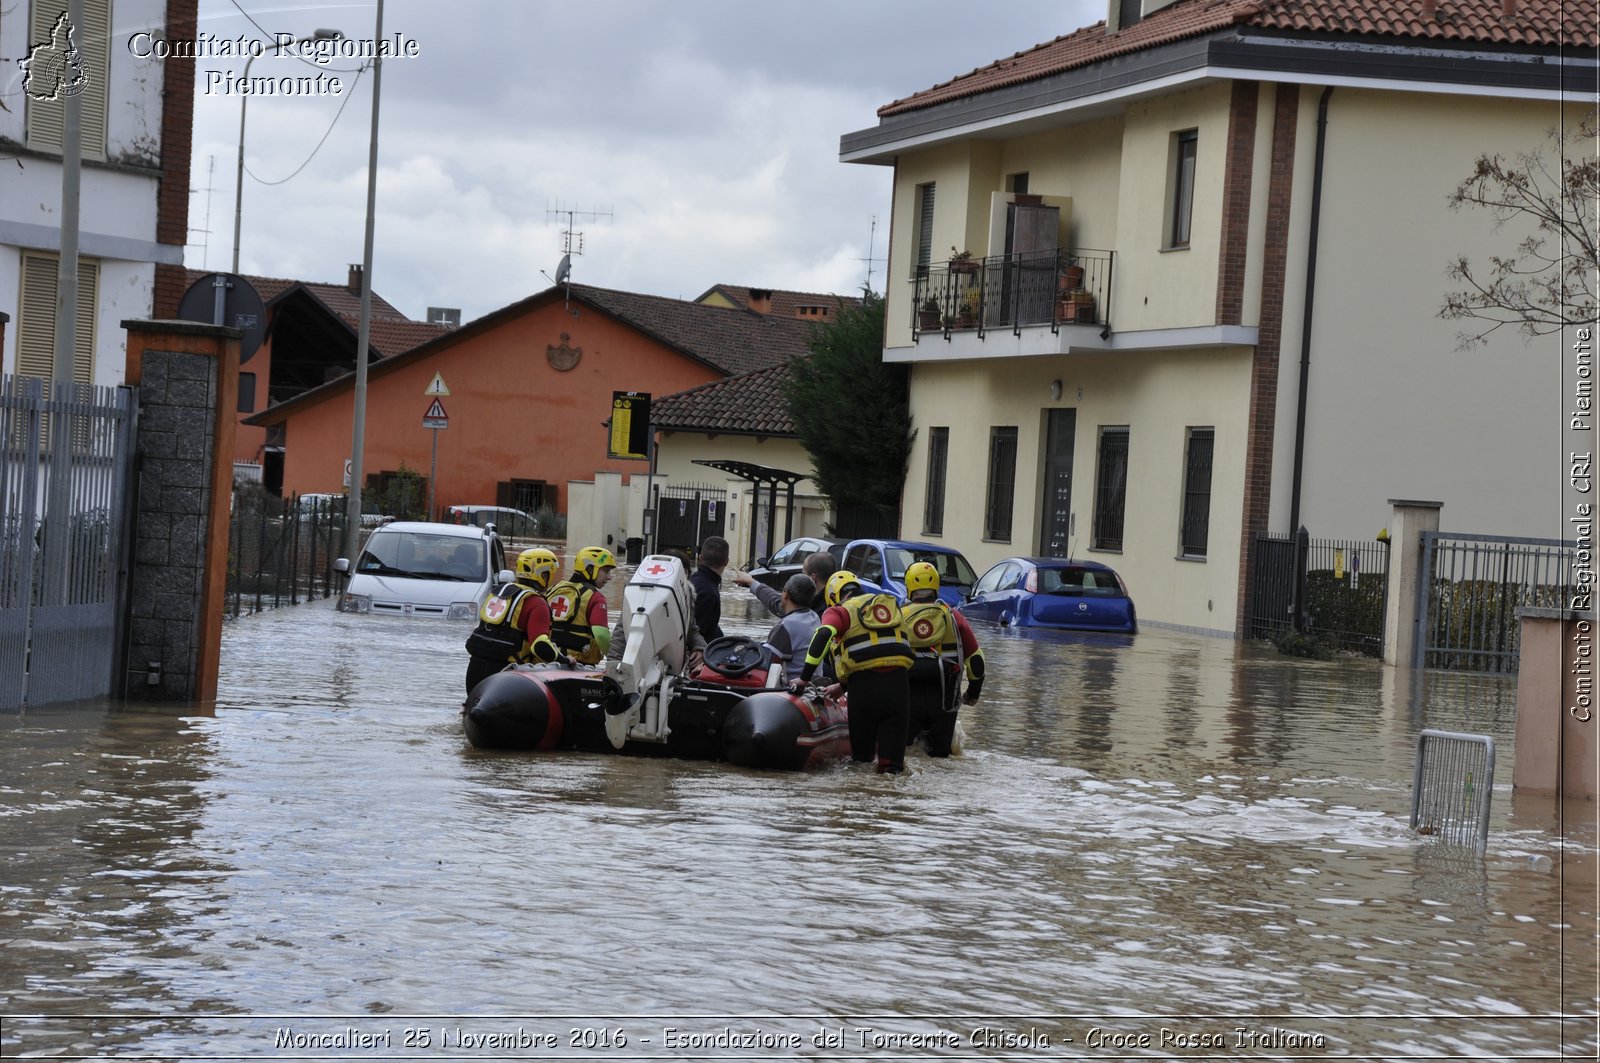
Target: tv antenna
<point>205,230</point>
<point>571,238</point>
<point>872,237</point>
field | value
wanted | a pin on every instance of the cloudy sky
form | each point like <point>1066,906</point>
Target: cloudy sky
<point>705,134</point>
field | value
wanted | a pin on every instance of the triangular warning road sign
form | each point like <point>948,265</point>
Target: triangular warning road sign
<point>437,386</point>
<point>437,410</point>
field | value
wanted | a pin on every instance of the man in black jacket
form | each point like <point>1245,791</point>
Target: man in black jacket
<point>707,581</point>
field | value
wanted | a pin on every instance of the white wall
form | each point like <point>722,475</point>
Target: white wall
<point>117,213</point>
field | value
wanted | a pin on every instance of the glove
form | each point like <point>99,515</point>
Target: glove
<point>797,685</point>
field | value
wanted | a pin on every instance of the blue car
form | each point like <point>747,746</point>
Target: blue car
<point>1052,592</point>
<point>880,565</point>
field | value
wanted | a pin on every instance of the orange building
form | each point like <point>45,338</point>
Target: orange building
<point>310,337</point>
<point>530,387</point>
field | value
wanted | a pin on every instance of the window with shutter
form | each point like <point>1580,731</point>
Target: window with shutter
<point>36,319</point>
<point>924,229</point>
<point>93,40</point>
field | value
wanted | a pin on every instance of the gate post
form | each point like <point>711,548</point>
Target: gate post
<point>188,379</point>
<point>1408,579</point>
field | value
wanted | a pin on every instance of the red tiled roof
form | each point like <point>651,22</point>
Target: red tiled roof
<point>785,303</point>
<point>1533,23</point>
<point>336,297</point>
<point>392,332</point>
<point>750,403</point>
<point>732,340</point>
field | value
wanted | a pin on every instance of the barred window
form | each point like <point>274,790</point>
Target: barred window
<point>1110,487</point>
<point>1002,483</point>
<point>933,507</point>
<point>1197,492</point>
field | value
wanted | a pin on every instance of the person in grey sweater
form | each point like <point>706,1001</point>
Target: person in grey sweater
<point>790,636</point>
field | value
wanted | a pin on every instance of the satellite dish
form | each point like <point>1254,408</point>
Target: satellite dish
<point>240,307</point>
<point>563,269</point>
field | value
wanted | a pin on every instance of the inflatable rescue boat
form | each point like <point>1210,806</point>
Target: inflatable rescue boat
<point>735,707</point>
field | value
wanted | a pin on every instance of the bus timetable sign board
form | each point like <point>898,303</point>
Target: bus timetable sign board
<point>630,425</point>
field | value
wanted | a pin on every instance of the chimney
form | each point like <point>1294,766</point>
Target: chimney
<point>354,281</point>
<point>1429,10</point>
<point>1508,8</point>
<point>761,300</point>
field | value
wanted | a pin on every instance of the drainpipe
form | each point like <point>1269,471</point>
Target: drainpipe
<point>1310,303</point>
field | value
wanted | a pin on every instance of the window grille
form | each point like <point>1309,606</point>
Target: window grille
<point>1196,520</point>
<point>1110,488</point>
<point>933,508</point>
<point>1002,483</point>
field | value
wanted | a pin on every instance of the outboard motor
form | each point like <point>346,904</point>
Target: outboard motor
<point>658,609</point>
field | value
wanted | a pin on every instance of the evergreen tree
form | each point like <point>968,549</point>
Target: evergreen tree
<point>852,411</point>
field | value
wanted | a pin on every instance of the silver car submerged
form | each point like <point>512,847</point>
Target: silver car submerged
<point>415,568</point>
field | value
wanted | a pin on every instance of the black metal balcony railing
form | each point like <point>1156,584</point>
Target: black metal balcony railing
<point>1055,288</point>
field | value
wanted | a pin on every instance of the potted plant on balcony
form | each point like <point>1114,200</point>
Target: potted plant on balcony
<point>962,261</point>
<point>928,316</point>
<point>967,312</point>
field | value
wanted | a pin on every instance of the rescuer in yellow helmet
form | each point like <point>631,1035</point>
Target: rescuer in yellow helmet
<point>942,640</point>
<point>514,622</point>
<point>579,622</point>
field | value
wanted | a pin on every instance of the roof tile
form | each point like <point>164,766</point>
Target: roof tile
<point>750,403</point>
<point>1533,23</point>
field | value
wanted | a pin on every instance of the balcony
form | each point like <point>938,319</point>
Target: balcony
<point>1016,291</point>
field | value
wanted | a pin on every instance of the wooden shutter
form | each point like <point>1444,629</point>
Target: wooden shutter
<point>47,117</point>
<point>36,324</point>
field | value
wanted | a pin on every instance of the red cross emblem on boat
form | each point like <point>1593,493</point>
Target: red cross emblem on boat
<point>560,606</point>
<point>656,568</point>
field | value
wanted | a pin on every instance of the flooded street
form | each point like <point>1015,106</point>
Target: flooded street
<point>1154,847</point>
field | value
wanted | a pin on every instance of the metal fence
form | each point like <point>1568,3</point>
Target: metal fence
<point>1452,787</point>
<point>60,595</point>
<point>1473,587</point>
<point>1337,586</point>
<point>281,550</point>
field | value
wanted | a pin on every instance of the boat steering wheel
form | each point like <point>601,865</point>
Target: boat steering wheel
<point>735,656</point>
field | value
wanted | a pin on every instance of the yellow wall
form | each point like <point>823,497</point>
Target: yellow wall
<point>1396,411</point>
<point>1154,287</point>
<point>1159,396</point>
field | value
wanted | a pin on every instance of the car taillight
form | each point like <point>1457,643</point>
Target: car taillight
<point>1031,585</point>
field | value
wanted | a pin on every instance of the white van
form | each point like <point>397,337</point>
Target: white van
<point>415,568</point>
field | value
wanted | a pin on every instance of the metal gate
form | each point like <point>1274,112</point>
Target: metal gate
<point>686,515</point>
<point>60,603</point>
<point>1341,583</point>
<point>1473,586</point>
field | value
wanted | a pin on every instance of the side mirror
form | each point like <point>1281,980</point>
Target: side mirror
<point>760,562</point>
<point>505,575</point>
<point>341,564</point>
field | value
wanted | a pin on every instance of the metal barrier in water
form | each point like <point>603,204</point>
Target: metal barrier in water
<point>1452,787</point>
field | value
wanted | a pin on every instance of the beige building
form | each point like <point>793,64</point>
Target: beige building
<point>1206,246</point>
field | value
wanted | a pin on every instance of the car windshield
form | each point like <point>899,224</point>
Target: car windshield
<point>420,555</point>
<point>1089,582</point>
<point>953,568</point>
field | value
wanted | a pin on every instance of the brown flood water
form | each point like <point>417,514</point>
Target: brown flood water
<point>1159,847</point>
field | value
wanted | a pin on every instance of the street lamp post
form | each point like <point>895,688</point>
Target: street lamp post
<point>244,99</point>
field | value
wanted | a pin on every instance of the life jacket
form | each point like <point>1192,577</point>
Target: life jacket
<point>931,629</point>
<point>569,619</point>
<point>875,637</point>
<point>499,632</point>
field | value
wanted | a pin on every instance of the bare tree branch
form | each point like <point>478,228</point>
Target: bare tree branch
<point>1549,281</point>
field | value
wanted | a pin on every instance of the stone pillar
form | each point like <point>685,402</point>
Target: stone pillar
<point>188,380</point>
<point>1401,624</point>
<point>1555,738</point>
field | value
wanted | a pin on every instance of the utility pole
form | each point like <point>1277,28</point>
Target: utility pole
<point>358,420</point>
